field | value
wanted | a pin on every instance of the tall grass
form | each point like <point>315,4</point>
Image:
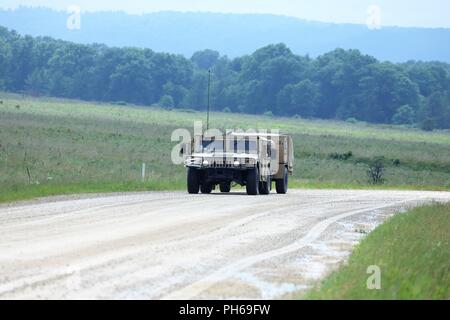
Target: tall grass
<point>412,251</point>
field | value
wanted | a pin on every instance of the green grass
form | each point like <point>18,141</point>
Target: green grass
<point>413,253</point>
<point>36,191</point>
<point>79,146</point>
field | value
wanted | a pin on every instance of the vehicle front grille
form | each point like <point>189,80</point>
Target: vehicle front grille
<point>222,165</point>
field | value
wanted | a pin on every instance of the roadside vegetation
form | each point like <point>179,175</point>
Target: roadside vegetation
<point>412,251</point>
<point>52,146</point>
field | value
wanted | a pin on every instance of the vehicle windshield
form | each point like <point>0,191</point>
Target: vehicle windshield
<point>212,146</point>
<point>245,146</point>
<point>238,146</point>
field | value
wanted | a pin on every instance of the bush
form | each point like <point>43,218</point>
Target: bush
<point>352,120</point>
<point>119,103</point>
<point>342,157</point>
<point>187,110</point>
<point>241,109</point>
<point>226,110</point>
<point>404,115</point>
<point>376,171</point>
<point>268,114</point>
<point>166,101</point>
<point>428,124</point>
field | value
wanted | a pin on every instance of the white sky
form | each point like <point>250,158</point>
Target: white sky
<point>419,13</point>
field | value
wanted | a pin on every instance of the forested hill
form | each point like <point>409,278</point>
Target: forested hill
<point>342,84</point>
<point>231,34</point>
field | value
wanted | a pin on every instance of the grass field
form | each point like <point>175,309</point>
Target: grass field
<point>52,146</point>
<point>413,253</point>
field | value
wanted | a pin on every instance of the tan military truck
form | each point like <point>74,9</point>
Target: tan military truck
<point>251,160</point>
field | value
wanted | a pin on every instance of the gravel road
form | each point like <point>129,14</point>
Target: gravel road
<point>178,246</point>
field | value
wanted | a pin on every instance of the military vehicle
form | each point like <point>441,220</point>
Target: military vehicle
<point>255,161</point>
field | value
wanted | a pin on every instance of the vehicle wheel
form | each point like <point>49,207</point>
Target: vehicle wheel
<point>264,187</point>
<point>206,188</point>
<point>192,181</point>
<point>225,187</point>
<point>253,182</point>
<point>282,184</point>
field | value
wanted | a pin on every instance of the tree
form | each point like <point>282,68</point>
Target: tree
<point>429,76</point>
<point>232,98</point>
<point>132,80</point>
<point>176,92</point>
<point>166,68</point>
<point>339,74</point>
<point>404,115</point>
<point>300,99</point>
<point>197,96</point>
<point>266,72</point>
<point>20,66</point>
<point>254,98</point>
<point>382,90</point>
<point>166,102</point>
<point>205,59</point>
<point>4,62</point>
<point>376,171</point>
<point>439,110</point>
<point>428,124</point>
<point>37,82</point>
<point>341,84</point>
<point>305,96</point>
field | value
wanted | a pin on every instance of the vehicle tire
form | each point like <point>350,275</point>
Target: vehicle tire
<point>282,184</point>
<point>264,187</point>
<point>225,187</point>
<point>253,182</point>
<point>193,181</point>
<point>206,188</point>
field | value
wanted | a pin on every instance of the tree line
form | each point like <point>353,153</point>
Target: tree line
<point>342,84</point>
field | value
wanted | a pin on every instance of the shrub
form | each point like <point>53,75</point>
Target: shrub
<point>166,101</point>
<point>428,124</point>
<point>404,115</point>
<point>376,171</point>
<point>342,157</point>
<point>268,114</point>
<point>187,110</point>
<point>351,120</point>
<point>226,110</point>
<point>119,103</point>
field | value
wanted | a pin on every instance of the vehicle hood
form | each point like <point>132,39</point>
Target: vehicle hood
<point>221,155</point>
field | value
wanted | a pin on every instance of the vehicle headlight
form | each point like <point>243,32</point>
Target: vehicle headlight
<point>206,163</point>
<point>237,163</point>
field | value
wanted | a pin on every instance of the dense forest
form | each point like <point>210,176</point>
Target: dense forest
<point>342,84</point>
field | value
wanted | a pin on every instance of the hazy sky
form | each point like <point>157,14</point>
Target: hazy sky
<point>428,13</point>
